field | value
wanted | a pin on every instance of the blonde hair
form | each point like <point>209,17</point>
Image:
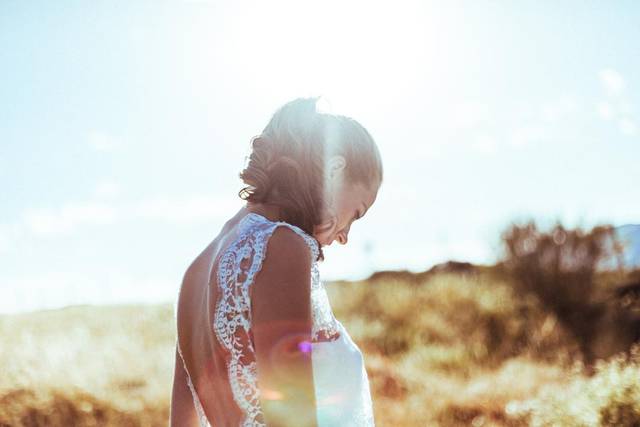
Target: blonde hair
<point>286,166</point>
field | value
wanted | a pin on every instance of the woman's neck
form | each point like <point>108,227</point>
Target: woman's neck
<point>271,212</point>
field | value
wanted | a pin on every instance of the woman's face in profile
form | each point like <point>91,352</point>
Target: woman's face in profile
<point>350,202</point>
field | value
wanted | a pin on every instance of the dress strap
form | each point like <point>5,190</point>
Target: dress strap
<point>252,218</point>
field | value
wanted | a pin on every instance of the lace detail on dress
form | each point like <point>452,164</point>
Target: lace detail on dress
<point>324,326</point>
<point>237,268</point>
<point>232,323</point>
<point>336,358</point>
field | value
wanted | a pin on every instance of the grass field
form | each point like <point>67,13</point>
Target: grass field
<point>447,350</point>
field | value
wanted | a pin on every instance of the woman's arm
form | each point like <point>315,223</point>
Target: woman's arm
<point>183,411</point>
<point>281,325</point>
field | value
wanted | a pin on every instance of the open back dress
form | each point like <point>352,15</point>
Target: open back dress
<point>220,362</point>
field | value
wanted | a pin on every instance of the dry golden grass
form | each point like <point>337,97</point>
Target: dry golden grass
<point>87,366</point>
<point>451,350</point>
<point>611,397</point>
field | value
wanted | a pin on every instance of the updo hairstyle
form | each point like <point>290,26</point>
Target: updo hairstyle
<point>286,166</point>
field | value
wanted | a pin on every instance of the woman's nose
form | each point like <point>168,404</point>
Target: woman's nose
<point>342,238</point>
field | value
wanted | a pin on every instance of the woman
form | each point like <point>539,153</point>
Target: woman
<point>258,344</point>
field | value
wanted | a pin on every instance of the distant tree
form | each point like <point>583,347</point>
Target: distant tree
<point>559,266</point>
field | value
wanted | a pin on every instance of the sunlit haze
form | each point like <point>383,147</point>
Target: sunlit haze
<point>123,129</point>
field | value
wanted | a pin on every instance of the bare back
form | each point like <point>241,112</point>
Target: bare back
<point>264,349</point>
<point>203,359</point>
<point>214,315</point>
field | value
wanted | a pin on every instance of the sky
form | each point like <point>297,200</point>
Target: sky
<point>124,126</point>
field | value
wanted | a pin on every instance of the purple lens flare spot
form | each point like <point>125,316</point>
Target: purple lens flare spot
<point>304,346</point>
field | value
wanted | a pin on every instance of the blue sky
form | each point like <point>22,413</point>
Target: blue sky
<point>123,128</point>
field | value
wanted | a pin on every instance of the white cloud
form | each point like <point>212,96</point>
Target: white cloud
<point>186,209</point>
<point>559,108</point>
<point>617,107</point>
<point>469,114</point>
<point>605,110</point>
<point>612,81</point>
<point>9,235</point>
<point>106,189</point>
<point>627,126</point>
<point>484,144</point>
<point>68,217</point>
<point>51,289</point>
<point>100,141</point>
<point>526,135</point>
<point>624,107</point>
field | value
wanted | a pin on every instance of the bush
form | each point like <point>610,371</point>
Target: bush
<point>559,267</point>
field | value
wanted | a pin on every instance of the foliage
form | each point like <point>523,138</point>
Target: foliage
<point>445,350</point>
<point>559,267</point>
<point>609,398</point>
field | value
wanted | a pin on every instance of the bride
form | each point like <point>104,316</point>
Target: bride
<point>257,342</point>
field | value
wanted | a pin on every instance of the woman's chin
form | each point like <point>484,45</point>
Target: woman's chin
<point>325,242</point>
<point>323,239</point>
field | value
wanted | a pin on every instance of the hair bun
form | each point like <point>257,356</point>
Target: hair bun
<point>286,167</point>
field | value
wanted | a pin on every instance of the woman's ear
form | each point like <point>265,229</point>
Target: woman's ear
<point>336,164</point>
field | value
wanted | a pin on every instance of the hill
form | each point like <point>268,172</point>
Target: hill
<point>449,349</point>
<point>630,236</point>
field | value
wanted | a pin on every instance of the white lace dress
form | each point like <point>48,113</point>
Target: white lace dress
<point>341,383</point>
